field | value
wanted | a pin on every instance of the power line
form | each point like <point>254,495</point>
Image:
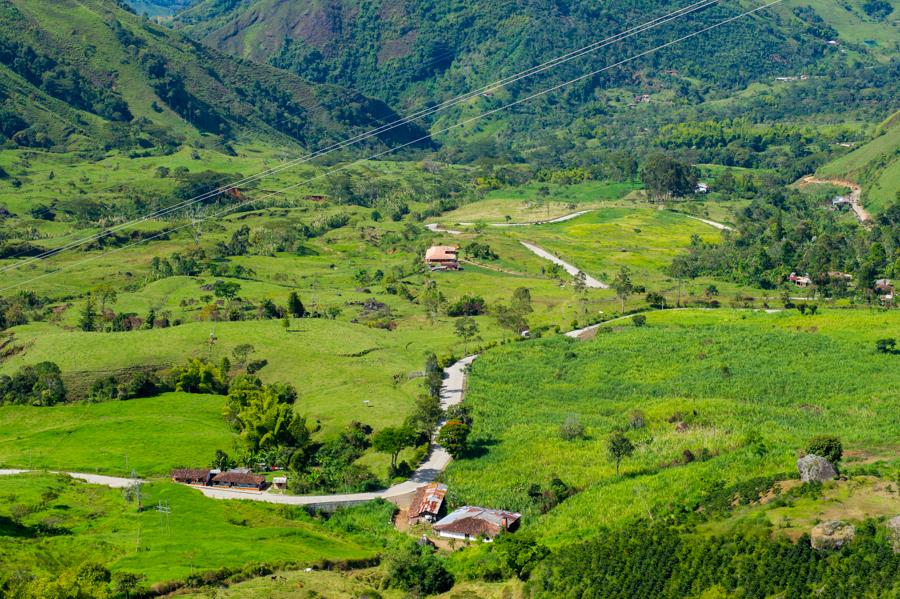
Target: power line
<point>415,141</point>
<point>422,113</point>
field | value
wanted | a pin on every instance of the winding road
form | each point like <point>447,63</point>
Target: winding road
<point>855,194</point>
<point>569,268</point>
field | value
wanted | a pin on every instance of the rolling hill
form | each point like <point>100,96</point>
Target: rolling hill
<point>91,74</point>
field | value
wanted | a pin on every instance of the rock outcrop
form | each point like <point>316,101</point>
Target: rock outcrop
<point>815,468</point>
<point>832,534</point>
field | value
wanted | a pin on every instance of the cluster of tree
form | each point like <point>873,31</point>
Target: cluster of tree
<point>512,316</point>
<point>37,385</point>
<point>141,384</point>
<point>785,231</point>
<point>23,307</point>
<point>480,251</point>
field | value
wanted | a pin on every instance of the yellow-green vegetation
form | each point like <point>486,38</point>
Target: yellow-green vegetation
<point>704,396</point>
<point>52,523</point>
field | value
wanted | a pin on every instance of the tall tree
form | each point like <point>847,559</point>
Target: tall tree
<point>466,329</point>
<point>88,320</point>
<point>623,285</point>
<point>665,178</point>
<point>295,306</point>
<point>392,440</point>
<point>619,447</point>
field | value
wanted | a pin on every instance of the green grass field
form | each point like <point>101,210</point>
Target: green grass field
<point>95,524</point>
<point>723,374</point>
<point>150,435</point>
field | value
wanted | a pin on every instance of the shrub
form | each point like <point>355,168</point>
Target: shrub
<point>886,346</point>
<point>454,437</point>
<point>467,305</point>
<point>826,446</point>
<point>639,320</point>
<point>199,376</point>
<point>417,570</point>
<point>572,428</point>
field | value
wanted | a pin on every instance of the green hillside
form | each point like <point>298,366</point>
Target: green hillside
<point>89,74</point>
<point>874,165</point>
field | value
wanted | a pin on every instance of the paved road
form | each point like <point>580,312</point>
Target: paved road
<point>114,482</point>
<point>439,229</point>
<point>452,392</point>
<point>572,270</point>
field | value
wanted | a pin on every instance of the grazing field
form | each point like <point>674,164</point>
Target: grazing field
<point>51,523</point>
<point>742,391</point>
<point>149,435</point>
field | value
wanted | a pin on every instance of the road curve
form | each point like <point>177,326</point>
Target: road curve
<point>855,194</point>
<point>572,270</point>
<point>452,392</point>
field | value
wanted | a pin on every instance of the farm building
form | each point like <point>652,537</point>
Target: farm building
<point>280,482</point>
<point>192,476</point>
<point>442,257</point>
<point>238,479</point>
<point>427,503</point>
<point>839,202</point>
<point>470,522</point>
<point>800,280</point>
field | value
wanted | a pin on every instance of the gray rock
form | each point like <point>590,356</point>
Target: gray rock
<point>893,526</point>
<point>813,467</point>
<point>832,534</point>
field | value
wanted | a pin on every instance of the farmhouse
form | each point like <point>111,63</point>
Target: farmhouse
<point>192,476</point>
<point>839,202</point>
<point>239,479</point>
<point>476,522</point>
<point>800,280</point>
<point>442,257</point>
<point>427,503</point>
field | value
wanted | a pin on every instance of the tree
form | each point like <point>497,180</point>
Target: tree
<point>521,301</point>
<point>665,178</point>
<point>242,352</point>
<point>226,289</point>
<point>295,306</point>
<point>199,376</point>
<point>88,320</point>
<point>619,447</point>
<point>623,286</point>
<point>426,415</point>
<point>392,440</point>
<point>126,582</point>
<point>454,437</point>
<point>826,446</point>
<point>106,293</point>
<point>417,570</point>
<point>222,462</point>
<point>466,329</point>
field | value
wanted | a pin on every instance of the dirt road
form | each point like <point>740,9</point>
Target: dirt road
<point>855,194</point>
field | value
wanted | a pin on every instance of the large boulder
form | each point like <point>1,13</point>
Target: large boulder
<point>893,527</point>
<point>832,534</point>
<point>813,467</point>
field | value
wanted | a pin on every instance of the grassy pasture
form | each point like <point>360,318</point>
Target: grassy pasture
<point>150,435</point>
<point>724,374</point>
<point>97,524</point>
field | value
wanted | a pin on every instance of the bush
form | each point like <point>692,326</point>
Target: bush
<point>826,446</point>
<point>886,346</point>
<point>571,429</point>
<point>38,385</point>
<point>467,305</point>
<point>417,570</point>
<point>199,376</point>
<point>639,320</point>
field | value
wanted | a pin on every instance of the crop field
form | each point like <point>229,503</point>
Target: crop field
<point>703,381</point>
<point>52,523</point>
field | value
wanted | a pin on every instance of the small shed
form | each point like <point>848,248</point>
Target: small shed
<point>239,480</point>
<point>470,522</point>
<point>191,476</point>
<point>800,280</point>
<point>279,482</point>
<point>427,503</point>
<point>442,257</point>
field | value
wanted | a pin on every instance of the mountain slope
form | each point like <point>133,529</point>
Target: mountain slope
<point>87,73</point>
<point>407,51</point>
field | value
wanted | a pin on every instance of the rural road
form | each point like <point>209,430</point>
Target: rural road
<point>560,219</point>
<point>572,270</point>
<point>855,194</point>
<point>712,223</point>
<point>114,482</point>
<point>452,392</point>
